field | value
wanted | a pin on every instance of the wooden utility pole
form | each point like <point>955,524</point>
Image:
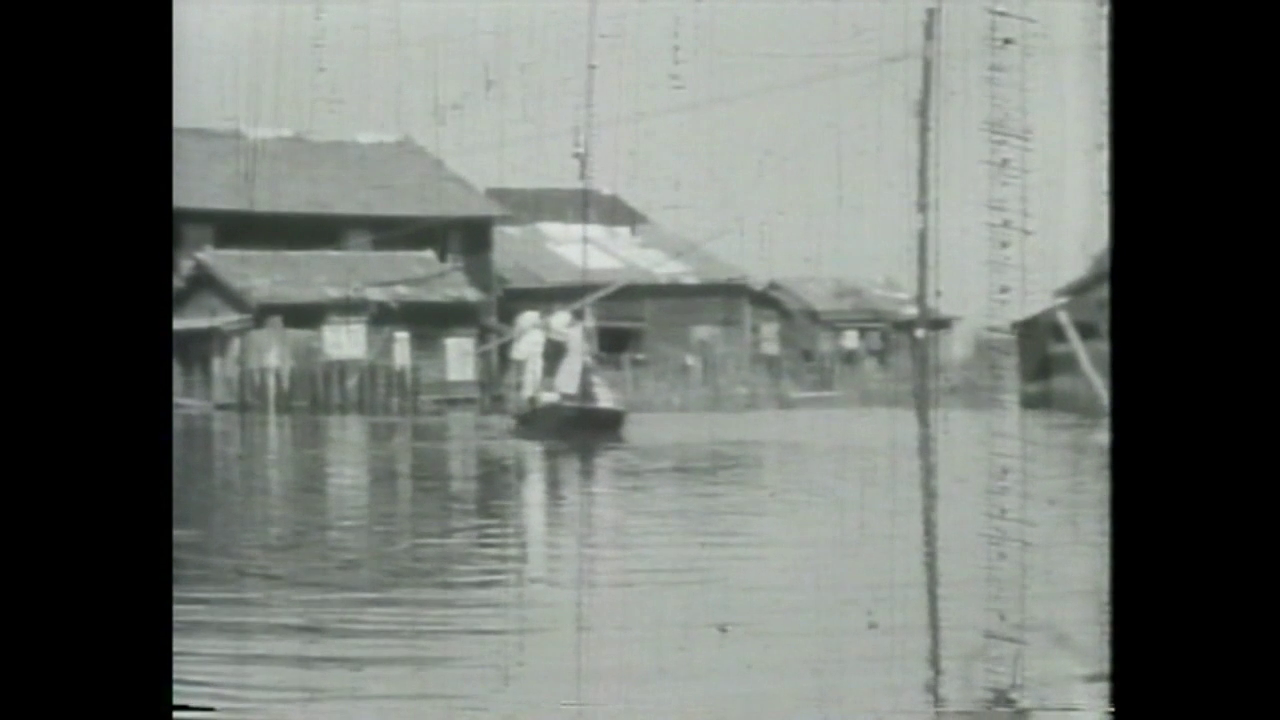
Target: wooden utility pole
<point>1009,138</point>
<point>920,347</point>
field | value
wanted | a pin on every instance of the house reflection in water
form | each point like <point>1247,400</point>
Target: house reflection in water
<point>531,464</point>
<point>346,452</point>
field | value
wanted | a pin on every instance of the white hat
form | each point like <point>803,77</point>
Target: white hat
<point>527,320</point>
<point>558,324</point>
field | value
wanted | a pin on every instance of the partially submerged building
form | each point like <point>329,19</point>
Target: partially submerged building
<point>316,307</point>
<point>200,372</point>
<point>1051,368</point>
<point>285,194</point>
<point>676,302</point>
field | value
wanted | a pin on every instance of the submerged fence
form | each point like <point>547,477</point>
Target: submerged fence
<point>660,382</point>
<point>348,388</point>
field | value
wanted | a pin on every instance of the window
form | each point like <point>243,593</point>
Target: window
<point>615,341</point>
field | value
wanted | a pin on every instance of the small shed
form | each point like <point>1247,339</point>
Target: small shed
<point>1043,346</point>
<point>1051,368</point>
<point>315,308</point>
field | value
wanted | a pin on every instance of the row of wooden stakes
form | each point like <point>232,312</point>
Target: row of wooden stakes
<point>348,388</point>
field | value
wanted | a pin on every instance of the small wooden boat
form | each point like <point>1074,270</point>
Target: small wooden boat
<point>562,419</point>
<point>565,418</point>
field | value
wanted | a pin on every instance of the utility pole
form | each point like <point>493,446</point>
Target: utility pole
<point>920,352</point>
<point>1009,138</point>
<point>1103,25</point>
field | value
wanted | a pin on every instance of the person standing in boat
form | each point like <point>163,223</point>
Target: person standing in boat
<point>527,351</point>
<point>556,346</point>
<point>568,357</point>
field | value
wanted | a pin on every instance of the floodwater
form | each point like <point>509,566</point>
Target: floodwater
<point>764,565</point>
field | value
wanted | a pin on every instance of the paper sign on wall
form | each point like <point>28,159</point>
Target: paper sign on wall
<point>345,341</point>
<point>770,338</point>
<point>850,340</point>
<point>400,349</point>
<point>460,359</point>
<point>704,334</point>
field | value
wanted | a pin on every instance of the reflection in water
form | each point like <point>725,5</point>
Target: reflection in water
<point>346,469</point>
<point>533,506</point>
<point>348,567</point>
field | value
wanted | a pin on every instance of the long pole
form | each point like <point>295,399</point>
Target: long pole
<point>584,156</point>
<point>920,345</point>
<point>584,176</point>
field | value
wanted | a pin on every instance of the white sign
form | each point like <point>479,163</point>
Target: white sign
<point>704,334</point>
<point>345,340</point>
<point>770,338</point>
<point>850,340</point>
<point>460,359</point>
<point>400,350</point>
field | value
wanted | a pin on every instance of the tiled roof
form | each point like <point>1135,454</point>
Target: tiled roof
<point>550,253</point>
<point>565,205</point>
<point>226,170</point>
<point>322,276</point>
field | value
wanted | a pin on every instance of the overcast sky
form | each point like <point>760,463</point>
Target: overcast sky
<point>786,127</point>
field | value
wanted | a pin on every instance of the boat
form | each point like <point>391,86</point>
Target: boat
<point>561,419</point>
<point>597,415</point>
<point>554,417</point>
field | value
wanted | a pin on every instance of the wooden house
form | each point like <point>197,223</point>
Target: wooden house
<point>281,192</point>
<point>359,311</point>
<point>680,306</point>
<point>1050,367</point>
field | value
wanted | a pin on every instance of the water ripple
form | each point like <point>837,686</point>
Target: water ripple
<point>753,565</point>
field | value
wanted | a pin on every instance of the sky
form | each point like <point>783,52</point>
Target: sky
<point>782,134</point>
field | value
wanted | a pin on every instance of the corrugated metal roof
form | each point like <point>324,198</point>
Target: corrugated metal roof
<point>565,205</point>
<point>324,276</point>
<point>227,170</point>
<point>544,254</point>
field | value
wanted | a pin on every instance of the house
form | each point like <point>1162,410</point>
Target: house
<point>260,191</point>
<point>1050,367</point>
<point>316,308</point>
<point>831,316</point>
<point>677,304</point>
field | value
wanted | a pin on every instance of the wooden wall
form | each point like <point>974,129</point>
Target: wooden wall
<point>294,360</point>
